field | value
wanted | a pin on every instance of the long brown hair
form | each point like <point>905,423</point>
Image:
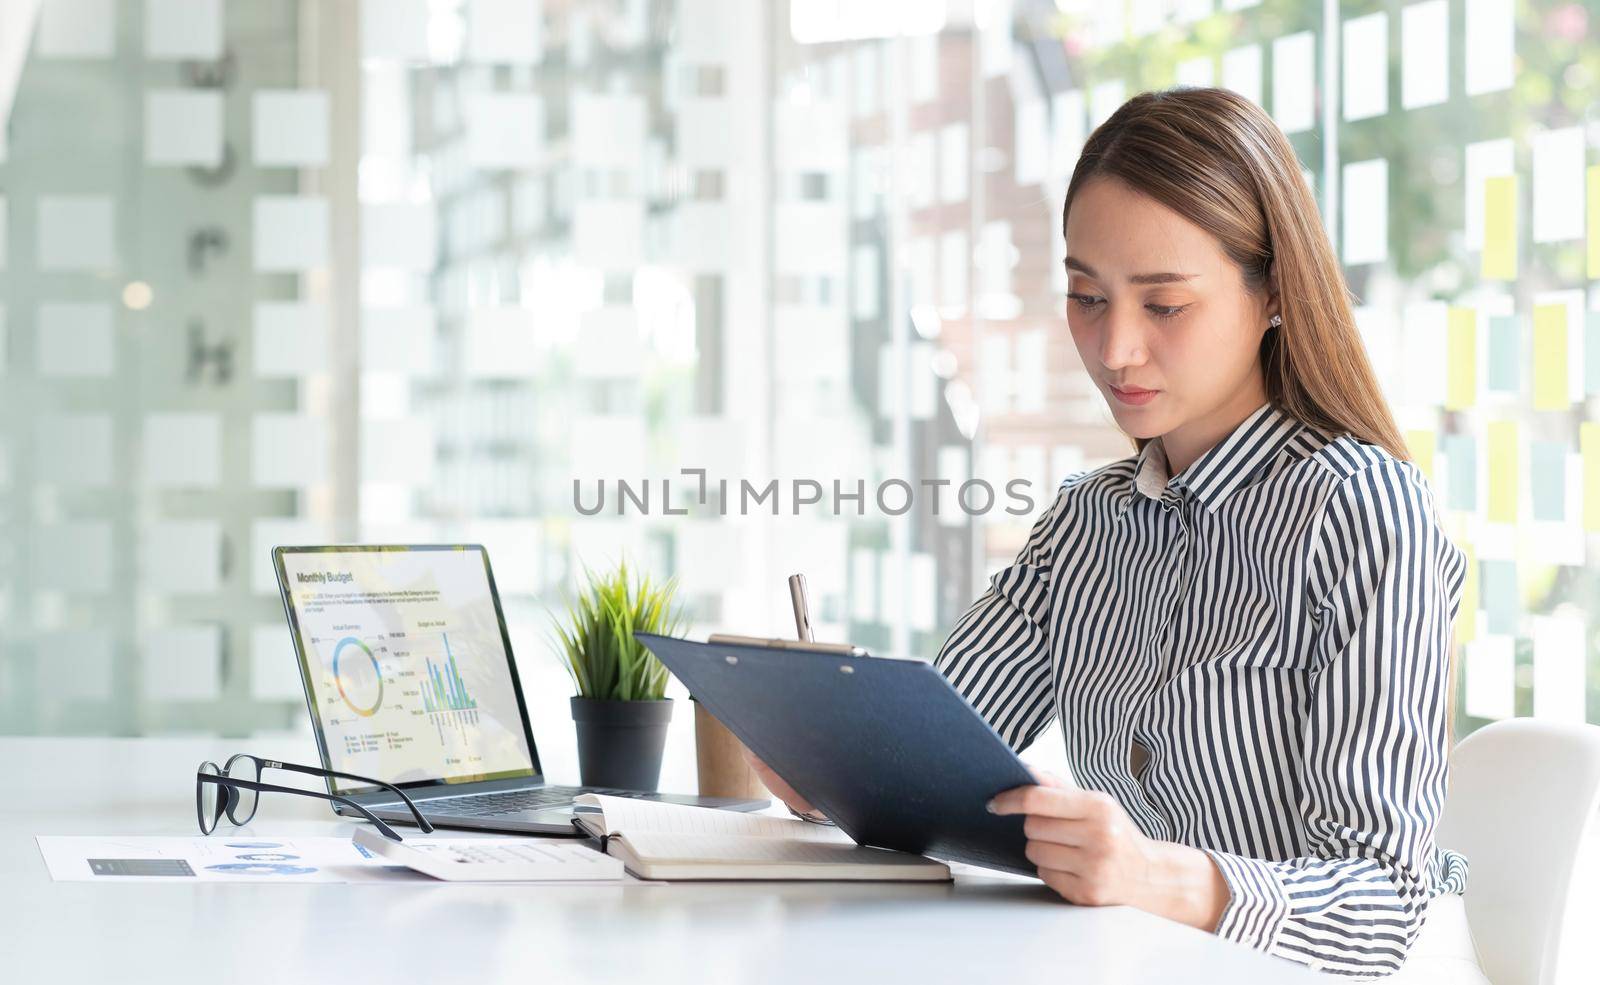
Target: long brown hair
<point>1219,161</point>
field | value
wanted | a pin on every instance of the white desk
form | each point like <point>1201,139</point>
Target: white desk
<point>979,929</point>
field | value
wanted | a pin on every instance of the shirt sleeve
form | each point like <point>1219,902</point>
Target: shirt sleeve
<point>998,655</point>
<point>1383,585</point>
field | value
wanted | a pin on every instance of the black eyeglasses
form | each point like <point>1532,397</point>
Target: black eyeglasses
<point>234,790</point>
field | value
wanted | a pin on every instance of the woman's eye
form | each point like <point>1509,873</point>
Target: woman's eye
<point>1086,301</point>
<point>1166,310</point>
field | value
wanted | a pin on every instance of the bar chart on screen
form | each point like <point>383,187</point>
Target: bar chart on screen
<point>445,697</point>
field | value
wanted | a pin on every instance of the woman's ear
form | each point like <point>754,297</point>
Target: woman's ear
<point>1272,308</point>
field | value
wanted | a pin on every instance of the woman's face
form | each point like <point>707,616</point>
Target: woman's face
<point>1160,315</point>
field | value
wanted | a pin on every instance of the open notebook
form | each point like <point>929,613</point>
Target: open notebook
<point>672,841</point>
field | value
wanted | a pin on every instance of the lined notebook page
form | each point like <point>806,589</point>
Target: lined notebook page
<point>656,846</point>
<point>635,817</point>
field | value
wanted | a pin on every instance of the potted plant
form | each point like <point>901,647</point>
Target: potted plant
<point>620,711</point>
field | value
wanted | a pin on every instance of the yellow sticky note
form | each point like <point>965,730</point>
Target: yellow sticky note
<point>1500,227</point>
<point>1467,615</point>
<point>1594,221</point>
<point>1550,358</point>
<point>1461,347</point>
<point>1503,474</point>
<point>1422,445</point>
<point>1589,446</point>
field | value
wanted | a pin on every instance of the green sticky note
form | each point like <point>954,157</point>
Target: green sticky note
<point>1505,354</point>
<point>1499,587</point>
<point>1549,480</point>
<point>1461,452</point>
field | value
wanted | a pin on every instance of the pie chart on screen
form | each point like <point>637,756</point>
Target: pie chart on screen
<point>355,671</point>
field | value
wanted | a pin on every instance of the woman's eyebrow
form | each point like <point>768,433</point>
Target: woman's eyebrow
<point>1073,263</point>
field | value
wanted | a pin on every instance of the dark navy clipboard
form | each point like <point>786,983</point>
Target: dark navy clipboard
<point>893,754</point>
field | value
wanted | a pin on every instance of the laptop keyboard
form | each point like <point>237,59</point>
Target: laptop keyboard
<point>514,801</point>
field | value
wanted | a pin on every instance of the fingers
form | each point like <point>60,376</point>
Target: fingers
<point>1067,802</point>
<point>777,786</point>
<point>1078,840</point>
<point>1058,858</point>
<point>1045,778</point>
<point>1061,831</point>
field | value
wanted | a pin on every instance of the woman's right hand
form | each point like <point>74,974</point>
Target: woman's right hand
<point>776,784</point>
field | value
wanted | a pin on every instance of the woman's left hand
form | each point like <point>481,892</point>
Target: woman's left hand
<point>1090,852</point>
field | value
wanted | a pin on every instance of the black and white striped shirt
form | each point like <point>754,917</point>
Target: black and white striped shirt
<point>1272,627</point>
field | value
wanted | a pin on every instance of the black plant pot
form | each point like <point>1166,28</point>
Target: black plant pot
<point>620,742</point>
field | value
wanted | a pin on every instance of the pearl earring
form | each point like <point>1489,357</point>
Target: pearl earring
<point>1276,321</point>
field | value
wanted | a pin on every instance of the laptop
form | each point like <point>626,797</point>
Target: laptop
<point>409,678</point>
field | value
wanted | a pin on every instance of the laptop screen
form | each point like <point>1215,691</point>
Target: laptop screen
<point>406,663</point>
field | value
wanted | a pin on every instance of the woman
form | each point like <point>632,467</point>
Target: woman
<point>1244,629</point>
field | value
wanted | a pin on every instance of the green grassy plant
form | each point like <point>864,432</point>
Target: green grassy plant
<point>596,640</point>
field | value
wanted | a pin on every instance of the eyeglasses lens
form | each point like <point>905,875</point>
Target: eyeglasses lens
<point>205,797</point>
<point>243,807</point>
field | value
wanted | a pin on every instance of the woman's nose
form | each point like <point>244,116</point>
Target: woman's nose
<point>1123,343</point>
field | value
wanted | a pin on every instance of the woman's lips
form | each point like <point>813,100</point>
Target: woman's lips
<point>1133,396</point>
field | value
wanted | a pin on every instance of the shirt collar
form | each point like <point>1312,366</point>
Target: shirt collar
<point>1227,466</point>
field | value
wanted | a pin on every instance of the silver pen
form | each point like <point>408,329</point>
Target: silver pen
<point>802,625</point>
<point>802,628</point>
<point>802,614</point>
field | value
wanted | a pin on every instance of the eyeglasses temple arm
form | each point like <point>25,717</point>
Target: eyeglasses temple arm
<point>230,781</point>
<point>422,822</point>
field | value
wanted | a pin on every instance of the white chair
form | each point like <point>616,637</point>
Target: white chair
<point>1522,796</point>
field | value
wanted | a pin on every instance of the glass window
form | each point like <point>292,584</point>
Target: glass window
<point>436,271</point>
